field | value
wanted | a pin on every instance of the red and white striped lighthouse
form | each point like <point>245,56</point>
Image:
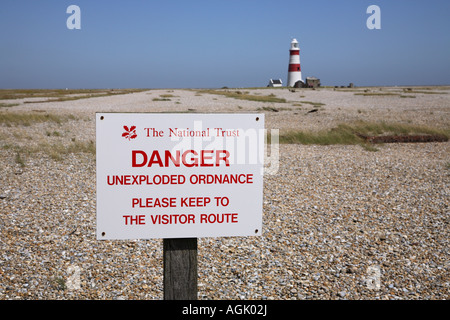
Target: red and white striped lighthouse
<point>295,72</point>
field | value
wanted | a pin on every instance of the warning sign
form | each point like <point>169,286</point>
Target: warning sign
<point>179,175</point>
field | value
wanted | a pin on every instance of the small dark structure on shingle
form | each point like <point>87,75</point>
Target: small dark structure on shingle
<point>312,82</point>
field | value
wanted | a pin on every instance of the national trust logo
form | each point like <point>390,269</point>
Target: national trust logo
<point>130,133</point>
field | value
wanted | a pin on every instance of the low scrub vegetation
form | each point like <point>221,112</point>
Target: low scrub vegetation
<point>244,95</point>
<point>52,95</point>
<point>48,140</point>
<point>352,134</point>
<point>56,151</point>
<point>26,119</point>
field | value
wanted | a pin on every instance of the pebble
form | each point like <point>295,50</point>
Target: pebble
<point>333,216</point>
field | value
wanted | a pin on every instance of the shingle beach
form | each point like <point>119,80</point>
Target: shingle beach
<point>339,221</point>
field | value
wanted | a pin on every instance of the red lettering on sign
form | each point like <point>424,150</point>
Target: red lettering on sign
<point>219,218</point>
<point>195,201</point>
<point>130,219</point>
<point>153,202</point>
<point>189,158</point>
<point>168,155</point>
<point>172,218</point>
<point>205,157</point>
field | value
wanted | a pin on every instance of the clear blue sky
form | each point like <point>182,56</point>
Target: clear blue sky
<point>215,43</point>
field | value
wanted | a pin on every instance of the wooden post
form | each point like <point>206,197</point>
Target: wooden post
<point>180,269</point>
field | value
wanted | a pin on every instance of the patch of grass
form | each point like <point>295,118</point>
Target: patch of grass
<point>349,134</point>
<point>54,134</point>
<point>8,105</point>
<point>423,90</point>
<point>386,128</point>
<point>316,104</point>
<point>244,95</point>
<point>273,109</point>
<point>19,160</point>
<point>161,99</point>
<point>56,151</point>
<point>366,94</point>
<point>53,95</point>
<point>340,135</point>
<point>27,119</point>
<point>60,283</point>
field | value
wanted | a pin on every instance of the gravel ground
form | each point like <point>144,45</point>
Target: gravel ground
<point>340,222</point>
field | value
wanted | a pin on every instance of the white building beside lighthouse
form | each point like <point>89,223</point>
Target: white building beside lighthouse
<point>294,72</point>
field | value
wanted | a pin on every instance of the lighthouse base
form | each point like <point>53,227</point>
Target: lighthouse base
<point>293,78</point>
<point>299,84</point>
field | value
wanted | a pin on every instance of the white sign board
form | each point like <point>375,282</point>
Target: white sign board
<point>179,175</point>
